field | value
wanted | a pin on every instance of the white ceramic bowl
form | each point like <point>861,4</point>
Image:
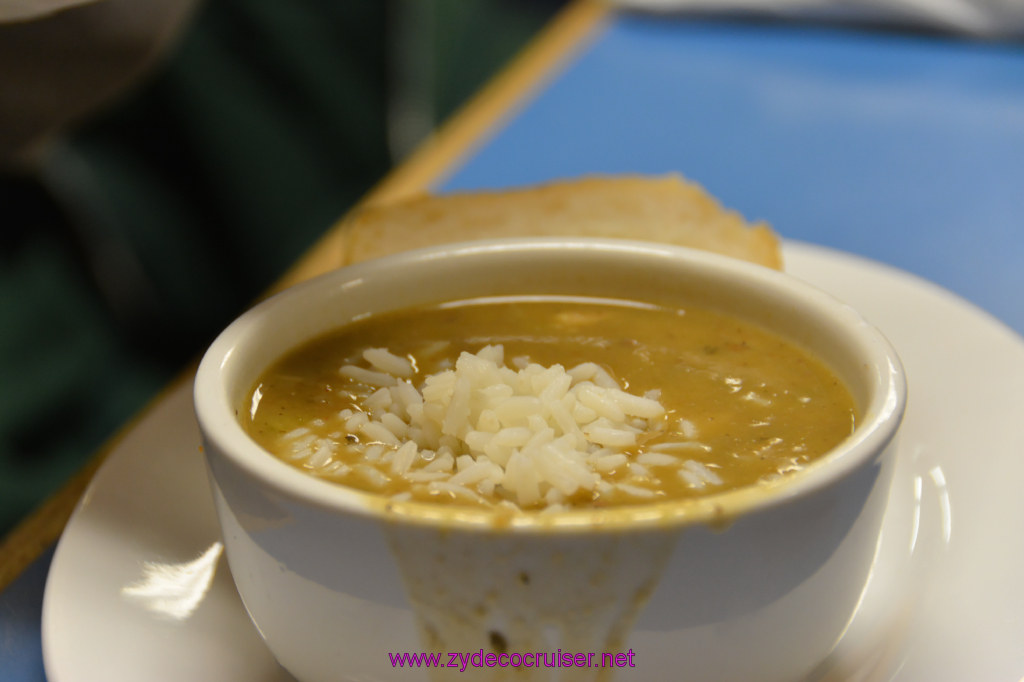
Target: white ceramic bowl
<point>746,585</point>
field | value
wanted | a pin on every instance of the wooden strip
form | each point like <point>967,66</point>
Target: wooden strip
<point>498,101</point>
<point>468,128</point>
<point>425,167</point>
<point>43,526</point>
<point>39,530</point>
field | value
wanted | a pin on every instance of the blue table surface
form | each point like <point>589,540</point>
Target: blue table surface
<point>907,149</point>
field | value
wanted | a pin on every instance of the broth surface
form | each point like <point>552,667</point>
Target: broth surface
<point>741,405</point>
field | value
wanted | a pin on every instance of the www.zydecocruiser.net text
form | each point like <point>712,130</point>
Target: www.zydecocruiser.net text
<point>464,660</point>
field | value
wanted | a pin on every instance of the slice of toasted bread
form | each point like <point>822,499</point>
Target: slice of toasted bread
<point>659,209</point>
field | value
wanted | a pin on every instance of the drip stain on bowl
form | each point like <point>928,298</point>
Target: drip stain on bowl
<point>468,593</point>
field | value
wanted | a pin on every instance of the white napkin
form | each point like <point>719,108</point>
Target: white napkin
<point>26,10</point>
<point>980,18</point>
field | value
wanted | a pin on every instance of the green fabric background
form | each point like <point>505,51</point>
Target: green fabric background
<point>160,219</point>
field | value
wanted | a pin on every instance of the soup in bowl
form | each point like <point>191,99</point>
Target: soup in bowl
<point>550,459</point>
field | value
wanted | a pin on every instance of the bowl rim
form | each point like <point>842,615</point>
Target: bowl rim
<point>223,435</point>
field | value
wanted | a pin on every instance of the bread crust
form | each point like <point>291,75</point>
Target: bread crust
<point>666,209</point>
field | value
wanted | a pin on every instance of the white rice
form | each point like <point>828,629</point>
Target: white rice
<point>698,475</point>
<point>385,361</point>
<point>368,376</point>
<point>481,430</point>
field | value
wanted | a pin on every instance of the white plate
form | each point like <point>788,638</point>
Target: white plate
<point>138,591</point>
